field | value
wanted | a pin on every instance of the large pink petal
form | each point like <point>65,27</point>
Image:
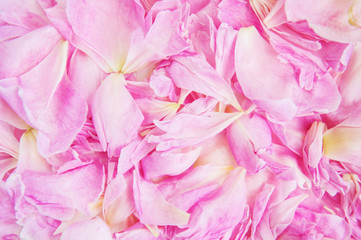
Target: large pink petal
<point>116,116</point>
<point>21,54</point>
<point>63,193</point>
<point>56,132</point>
<point>115,20</point>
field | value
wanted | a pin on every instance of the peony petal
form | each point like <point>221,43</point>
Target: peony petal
<point>151,206</point>
<point>56,133</point>
<point>161,41</point>
<point>63,193</point>
<point>116,20</point>
<point>21,54</point>
<point>92,229</point>
<point>195,74</point>
<point>29,157</point>
<point>173,162</point>
<point>187,129</point>
<point>339,23</point>
<point>116,116</point>
<point>343,144</point>
<point>215,215</point>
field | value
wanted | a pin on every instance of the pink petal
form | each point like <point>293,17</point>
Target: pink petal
<point>117,20</point>
<point>193,73</point>
<point>151,206</point>
<point>171,162</point>
<point>161,41</point>
<point>56,132</point>
<point>338,23</point>
<point>187,130</point>
<point>65,192</point>
<point>215,215</point>
<point>91,229</point>
<point>18,57</point>
<point>115,128</point>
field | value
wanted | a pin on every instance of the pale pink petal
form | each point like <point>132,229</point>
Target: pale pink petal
<point>331,19</point>
<point>193,73</point>
<point>85,75</point>
<point>29,157</point>
<point>118,193</point>
<point>242,148</point>
<point>225,45</point>
<point>343,144</point>
<point>237,13</point>
<point>116,116</point>
<point>185,190</point>
<point>56,132</point>
<point>9,116</point>
<point>172,162</point>
<point>21,54</point>
<point>65,192</point>
<point>92,229</point>
<point>116,20</point>
<point>37,226</point>
<point>188,130</point>
<point>151,206</point>
<point>161,41</point>
<point>8,141</point>
<point>214,216</point>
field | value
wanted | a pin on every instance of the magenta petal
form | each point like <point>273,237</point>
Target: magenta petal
<point>116,116</point>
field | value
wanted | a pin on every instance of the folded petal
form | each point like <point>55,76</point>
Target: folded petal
<point>248,137</point>
<point>116,116</point>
